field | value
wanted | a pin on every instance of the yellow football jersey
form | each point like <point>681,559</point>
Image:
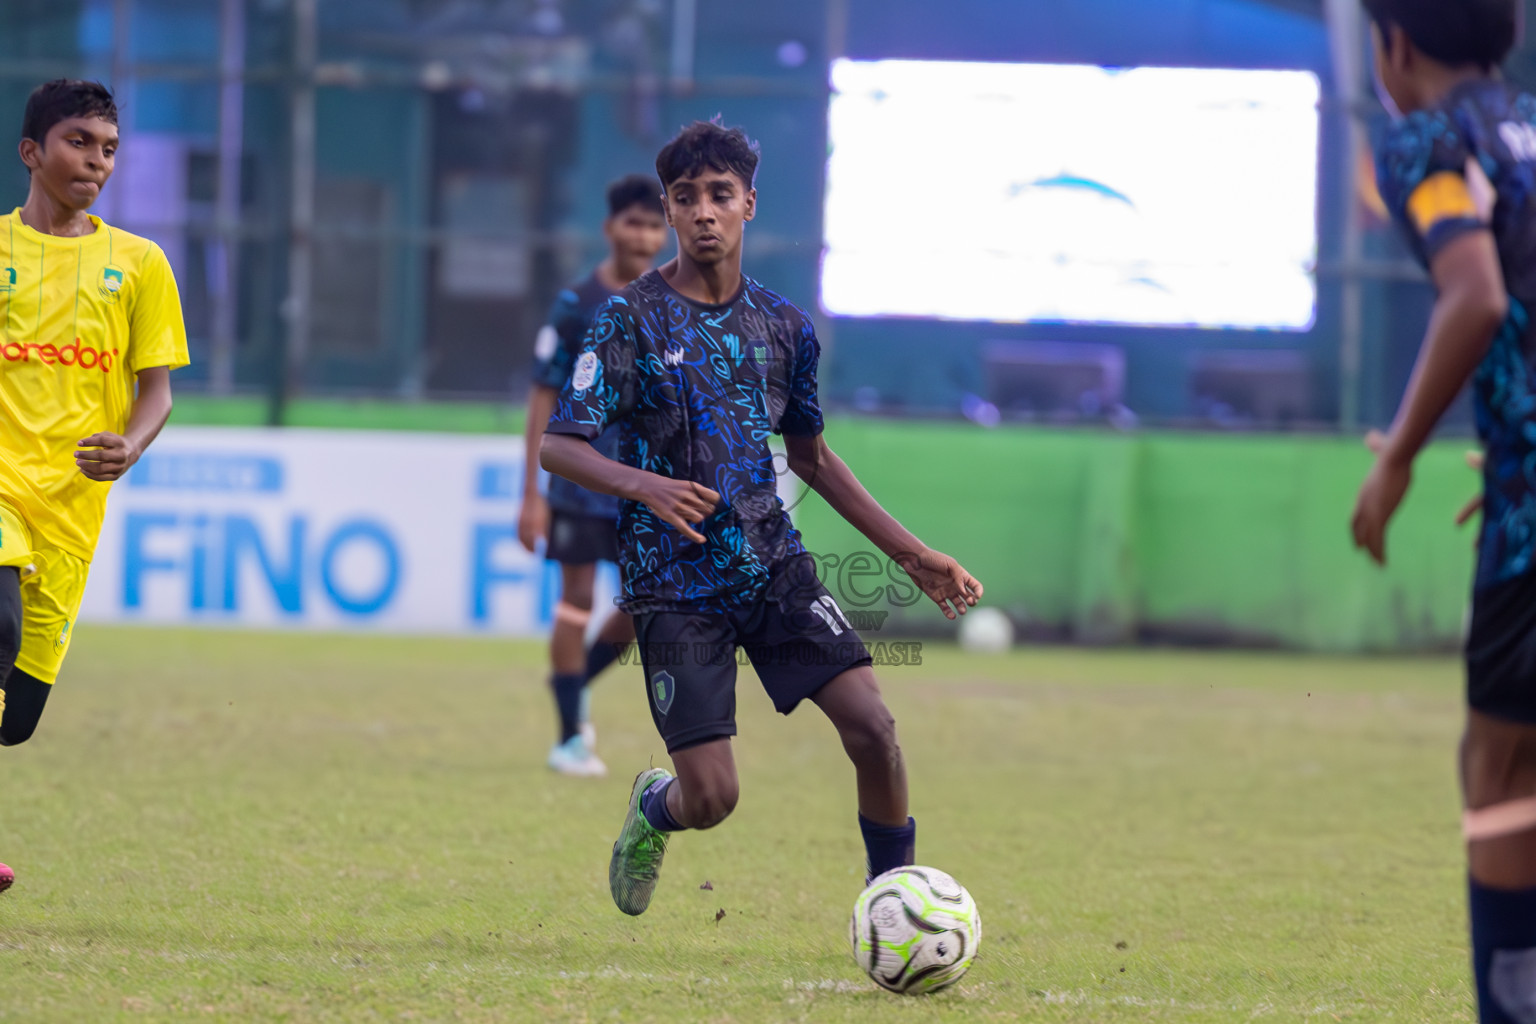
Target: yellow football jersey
<point>81,317</point>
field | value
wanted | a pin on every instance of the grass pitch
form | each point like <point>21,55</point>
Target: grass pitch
<point>220,826</point>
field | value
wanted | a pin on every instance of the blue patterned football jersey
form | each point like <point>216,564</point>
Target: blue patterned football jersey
<point>1470,165</point>
<point>553,356</point>
<point>696,391</point>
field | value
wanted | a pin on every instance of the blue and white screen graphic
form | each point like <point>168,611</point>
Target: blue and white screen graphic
<point>1041,192</point>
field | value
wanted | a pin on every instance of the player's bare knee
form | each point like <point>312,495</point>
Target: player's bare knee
<point>872,740</point>
<point>577,584</point>
<point>1498,763</point>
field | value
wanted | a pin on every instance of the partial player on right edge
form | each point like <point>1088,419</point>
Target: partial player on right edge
<point>699,365</point>
<point>1458,170</point>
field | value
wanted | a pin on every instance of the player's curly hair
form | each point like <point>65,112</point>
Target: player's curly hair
<point>708,144</point>
<point>634,190</point>
<point>1454,32</point>
<point>61,99</point>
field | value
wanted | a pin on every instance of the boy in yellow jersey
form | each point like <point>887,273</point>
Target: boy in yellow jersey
<point>90,329</point>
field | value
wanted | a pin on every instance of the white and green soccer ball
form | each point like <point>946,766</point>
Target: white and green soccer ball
<point>915,930</point>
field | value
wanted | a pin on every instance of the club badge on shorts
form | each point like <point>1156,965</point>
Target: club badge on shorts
<point>663,689</point>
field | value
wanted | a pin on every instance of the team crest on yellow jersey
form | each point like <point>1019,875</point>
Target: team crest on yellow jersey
<point>111,282</point>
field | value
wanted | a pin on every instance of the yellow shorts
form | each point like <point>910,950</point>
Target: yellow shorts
<point>52,584</point>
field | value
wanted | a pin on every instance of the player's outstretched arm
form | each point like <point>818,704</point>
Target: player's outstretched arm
<point>1470,308</point>
<point>533,519</point>
<point>682,503</point>
<point>942,578</point>
<point>107,456</point>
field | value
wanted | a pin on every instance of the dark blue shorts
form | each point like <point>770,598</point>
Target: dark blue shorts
<point>1501,650</point>
<point>795,636</point>
<point>581,540</point>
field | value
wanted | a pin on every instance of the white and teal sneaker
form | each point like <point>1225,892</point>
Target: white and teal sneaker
<point>573,758</point>
<point>636,861</point>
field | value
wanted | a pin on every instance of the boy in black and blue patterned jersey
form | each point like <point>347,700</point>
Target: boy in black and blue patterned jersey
<point>579,525</point>
<point>1458,170</point>
<point>699,365</point>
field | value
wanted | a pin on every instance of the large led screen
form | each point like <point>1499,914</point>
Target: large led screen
<point>1030,192</point>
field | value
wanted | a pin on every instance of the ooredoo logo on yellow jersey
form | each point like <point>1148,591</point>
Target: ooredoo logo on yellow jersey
<point>73,354</point>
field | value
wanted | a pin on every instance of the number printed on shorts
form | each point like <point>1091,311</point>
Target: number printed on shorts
<point>825,608</point>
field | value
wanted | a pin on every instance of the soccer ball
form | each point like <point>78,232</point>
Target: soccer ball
<point>986,631</point>
<point>915,930</point>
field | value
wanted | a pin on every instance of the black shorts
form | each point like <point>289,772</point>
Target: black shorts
<point>1501,650</point>
<point>795,636</point>
<point>581,540</point>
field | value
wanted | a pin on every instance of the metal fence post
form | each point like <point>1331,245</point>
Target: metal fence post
<point>1346,34</point>
<point>221,371</point>
<point>301,211</point>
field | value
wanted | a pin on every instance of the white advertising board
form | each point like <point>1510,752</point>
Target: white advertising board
<point>1044,192</point>
<point>324,530</point>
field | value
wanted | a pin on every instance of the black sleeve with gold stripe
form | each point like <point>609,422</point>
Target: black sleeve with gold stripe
<point>1423,172</point>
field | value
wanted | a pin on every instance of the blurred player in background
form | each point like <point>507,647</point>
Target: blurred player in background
<point>580,526</point>
<point>1458,170</point>
<point>92,329</point>
<point>698,365</point>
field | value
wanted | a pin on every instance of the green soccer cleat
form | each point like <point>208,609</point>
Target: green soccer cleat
<point>636,861</point>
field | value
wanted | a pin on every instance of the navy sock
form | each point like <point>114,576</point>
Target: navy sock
<point>599,656</point>
<point>567,689</point>
<point>653,804</point>
<point>1504,953</point>
<point>888,846</point>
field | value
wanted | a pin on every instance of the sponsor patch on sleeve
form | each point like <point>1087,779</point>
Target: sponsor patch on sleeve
<point>586,372</point>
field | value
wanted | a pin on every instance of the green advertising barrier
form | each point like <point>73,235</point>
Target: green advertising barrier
<point>1114,538</point>
<point>1099,537</point>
